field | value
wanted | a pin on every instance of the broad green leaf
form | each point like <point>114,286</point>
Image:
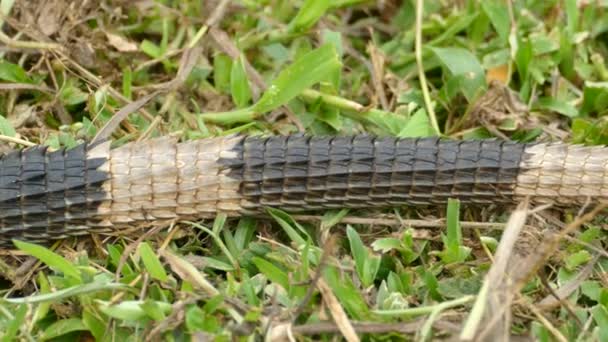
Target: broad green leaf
<point>389,122</point>
<point>385,245</point>
<point>309,69</point>
<point>399,282</point>
<point>218,264</point>
<point>334,38</point>
<point>431,284</point>
<point>50,258</point>
<point>590,132</point>
<point>154,310</point>
<point>589,235</point>
<point>151,262</point>
<point>479,28</point>
<point>199,320</point>
<point>600,316</point>
<point>63,327</point>
<point>498,13</point>
<point>115,254</point>
<point>576,259</point>
<point>595,98</point>
<point>347,293</point>
<point>278,52</point>
<point>540,332</point>
<point>95,322</point>
<point>592,289</point>
<point>461,62</point>
<point>555,105</point>
<point>13,73</point>
<point>357,249</point>
<point>245,231</point>
<point>332,117</point>
<point>567,55</point>
<point>5,9</point>
<point>222,66</point>
<point>366,263</point>
<point>523,60</point>
<point>308,15</point>
<point>461,23</point>
<point>490,242</point>
<point>457,287</point>
<point>6,128</point>
<point>71,95</point>
<point>213,304</point>
<point>239,84</point>
<point>272,272</point>
<point>333,217</point>
<point>572,14</point>
<point>418,125</point>
<point>150,49</point>
<point>129,310</point>
<point>370,270</point>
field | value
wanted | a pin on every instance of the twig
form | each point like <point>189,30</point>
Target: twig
<point>559,295</point>
<point>394,222</point>
<point>218,13</point>
<point>19,44</point>
<point>337,312</point>
<point>550,327</point>
<point>492,294</point>
<point>114,122</point>
<point>25,86</point>
<point>187,63</point>
<point>367,328</point>
<point>14,140</point>
<point>96,81</point>
<point>421,75</point>
<point>327,248</point>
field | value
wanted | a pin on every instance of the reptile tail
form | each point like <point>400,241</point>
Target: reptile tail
<point>48,195</point>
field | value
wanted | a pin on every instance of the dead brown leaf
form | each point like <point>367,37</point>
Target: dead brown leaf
<point>337,312</point>
<point>51,17</point>
<point>121,43</point>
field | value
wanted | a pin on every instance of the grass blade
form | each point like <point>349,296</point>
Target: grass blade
<point>50,258</point>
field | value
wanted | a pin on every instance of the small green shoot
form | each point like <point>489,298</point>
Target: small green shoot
<point>366,263</point>
<point>454,250</point>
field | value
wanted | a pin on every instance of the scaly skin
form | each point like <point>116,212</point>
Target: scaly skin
<point>46,195</point>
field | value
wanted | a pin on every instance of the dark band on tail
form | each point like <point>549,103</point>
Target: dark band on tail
<point>303,173</point>
<point>46,194</point>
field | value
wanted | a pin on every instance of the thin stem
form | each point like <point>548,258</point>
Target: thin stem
<point>423,85</point>
<point>19,44</point>
<point>424,310</point>
<point>6,138</point>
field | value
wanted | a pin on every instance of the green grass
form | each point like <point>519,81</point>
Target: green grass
<point>322,67</point>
